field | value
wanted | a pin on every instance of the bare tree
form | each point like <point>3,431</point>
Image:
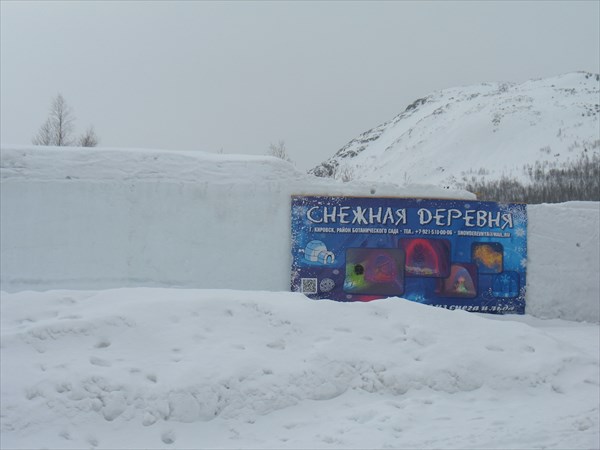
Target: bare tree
<point>58,128</point>
<point>345,173</point>
<point>44,135</point>
<point>279,151</point>
<point>89,138</point>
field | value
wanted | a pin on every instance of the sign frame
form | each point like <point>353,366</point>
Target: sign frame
<point>454,254</point>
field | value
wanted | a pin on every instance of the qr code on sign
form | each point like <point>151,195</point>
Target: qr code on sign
<point>308,285</point>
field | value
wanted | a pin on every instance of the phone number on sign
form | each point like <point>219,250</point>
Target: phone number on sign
<point>434,232</point>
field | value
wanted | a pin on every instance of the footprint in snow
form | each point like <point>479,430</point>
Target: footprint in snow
<point>343,330</point>
<point>168,437</point>
<point>176,355</point>
<point>151,377</point>
<point>99,362</point>
<point>93,441</point>
<point>71,317</point>
<point>65,435</point>
<point>277,345</point>
<point>494,348</point>
<point>102,343</point>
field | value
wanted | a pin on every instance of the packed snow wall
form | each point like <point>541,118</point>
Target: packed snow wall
<point>101,218</point>
<point>564,261</point>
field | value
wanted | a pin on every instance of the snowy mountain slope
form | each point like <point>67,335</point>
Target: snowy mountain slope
<point>486,131</point>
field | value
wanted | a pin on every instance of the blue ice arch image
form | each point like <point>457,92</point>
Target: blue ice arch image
<point>316,251</point>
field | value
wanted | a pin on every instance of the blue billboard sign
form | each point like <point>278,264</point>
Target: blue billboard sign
<point>455,254</point>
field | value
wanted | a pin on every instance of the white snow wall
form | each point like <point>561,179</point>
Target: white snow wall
<point>95,219</point>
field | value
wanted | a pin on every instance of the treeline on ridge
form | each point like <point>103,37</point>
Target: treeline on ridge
<point>547,183</point>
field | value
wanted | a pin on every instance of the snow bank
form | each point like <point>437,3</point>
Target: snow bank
<point>160,368</point>
<point>106,218</point>
<point>100,218</point>
<point>564,261</point>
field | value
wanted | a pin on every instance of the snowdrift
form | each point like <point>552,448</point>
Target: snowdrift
<point>106,218</point>
<point>185,368</point>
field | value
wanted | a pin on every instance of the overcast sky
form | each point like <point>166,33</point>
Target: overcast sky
<point>237,76</point>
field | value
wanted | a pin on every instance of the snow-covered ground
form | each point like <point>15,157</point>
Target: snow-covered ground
<point>184,368</point>
<point>113,362</point>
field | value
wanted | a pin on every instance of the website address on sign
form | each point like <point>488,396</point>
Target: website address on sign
<point>495,234</point>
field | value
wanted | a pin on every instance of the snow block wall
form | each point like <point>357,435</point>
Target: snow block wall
<point>564,261</point>
<point>102,218</point>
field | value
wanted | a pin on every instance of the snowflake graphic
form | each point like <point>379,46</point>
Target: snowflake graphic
<point>524,263</point>
<point>504,278</point>
<point>521,250</point>
<point>487,295</point>
<point>520,232</point>
<point>521,298</point>
<point>518,212</point>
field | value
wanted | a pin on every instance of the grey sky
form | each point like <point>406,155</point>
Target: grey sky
<point>239,75</point>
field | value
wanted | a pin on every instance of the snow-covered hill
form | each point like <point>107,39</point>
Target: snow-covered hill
<point>481,131</point>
